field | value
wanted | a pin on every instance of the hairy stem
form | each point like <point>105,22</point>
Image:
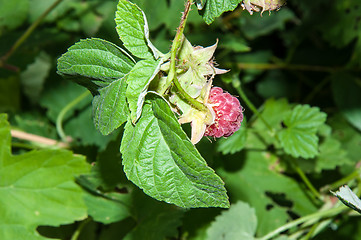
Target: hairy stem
<point>176,45</point>
<point>172,74</point>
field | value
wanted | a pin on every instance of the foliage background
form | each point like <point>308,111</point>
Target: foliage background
<point>309,52</point>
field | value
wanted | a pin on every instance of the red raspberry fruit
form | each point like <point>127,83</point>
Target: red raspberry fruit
<point>229,114</point>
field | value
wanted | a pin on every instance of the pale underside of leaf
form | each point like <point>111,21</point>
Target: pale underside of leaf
<point>138,81</point>
<point>132,28</point>
<point>349,198</point>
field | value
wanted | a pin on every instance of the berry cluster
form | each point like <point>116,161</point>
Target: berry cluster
<point>229,114</point>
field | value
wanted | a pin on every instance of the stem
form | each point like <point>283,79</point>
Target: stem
<point>37,139</point>
<point>79,229</point>
<point>59,119</point>
<point>308,183</point>
<point>188,98</point>
<point>253,108</point>
<point>318,215</point>
<point>311,232</point>
<point>172,74</point>
<point>27,33</point>
<point>175,46</point>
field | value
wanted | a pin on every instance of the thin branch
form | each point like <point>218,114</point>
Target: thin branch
<point>37,139</point>
<point>61,115</point>
<point>176,45</point>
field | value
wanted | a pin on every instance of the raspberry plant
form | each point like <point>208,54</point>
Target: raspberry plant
<point>170,133</point>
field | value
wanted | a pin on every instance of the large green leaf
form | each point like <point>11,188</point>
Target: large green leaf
<point>110,107</point>
<point>159,158</point>
<point>251,176</point>
<point>95,63</point>
<point>214,8</point>
<point>132,28</point>
<point>37,188</point>
<point>238,222</point>
<point>299,137</point>
<point>138,81</point>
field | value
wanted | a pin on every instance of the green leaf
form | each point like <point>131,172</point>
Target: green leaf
<point>110,107</point>
<point>348,136</point>
<point>340,25</point>
<point>214,8</point>
<point>33,78</point>
<point>156,15</point>
<point>104,207</point>
<point>299,137</point>
<point>95,63</point>
<point>251,176</point>
<point>12,14</point>
<point>234,143</point>
<point>37,188</point>
<point>347,94</point>
<point>159,158</point>
<point>138,81</point>
<point>238,222</point>
<point>348,198</point>
<point>331,155</point>
<point>132,28</point>
<point>273,113</point>
<point>77,121</point>
<point>9,93</point>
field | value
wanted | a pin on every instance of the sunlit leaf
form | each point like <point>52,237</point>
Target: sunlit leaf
<point>214,8</point>
<point>95,63</point>
<point>37,188</point>
<point>138,81</point>
<point>132,28</point>
<point>299,137</point>
<point>160,159</point>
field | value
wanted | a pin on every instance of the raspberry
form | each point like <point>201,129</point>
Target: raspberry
<point>228,112</point>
